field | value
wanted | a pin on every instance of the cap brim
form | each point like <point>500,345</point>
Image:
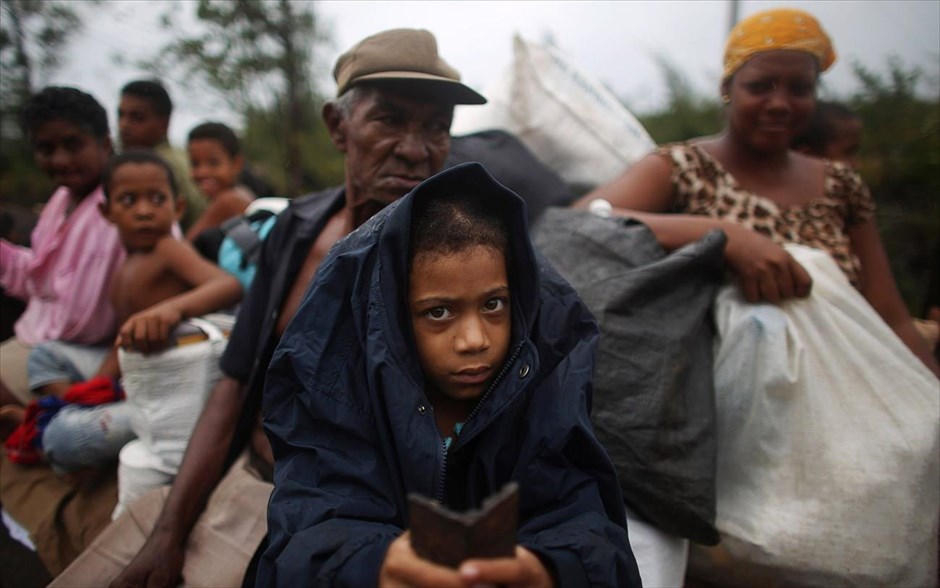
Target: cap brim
<point>445,89</point>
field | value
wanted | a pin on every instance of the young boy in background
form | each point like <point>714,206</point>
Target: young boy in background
<point>436,353</point>
<point>216,164</point>
<point>163,280</point>
<point>143,123</point>
<point>834,132</point>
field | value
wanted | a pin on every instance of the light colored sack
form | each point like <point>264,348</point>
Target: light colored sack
<point>828,449</point>
<point>167,391</point>
<point>567,118</point>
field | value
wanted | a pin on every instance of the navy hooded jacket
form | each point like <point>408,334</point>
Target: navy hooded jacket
<point>353,432</point>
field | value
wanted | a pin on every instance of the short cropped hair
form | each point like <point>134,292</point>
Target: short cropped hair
<point>452,222</point>
<point>136,156</point>
<point>820,132</point>
<point>64,103</point>
<point>219,132</point>
<point>152,91</point>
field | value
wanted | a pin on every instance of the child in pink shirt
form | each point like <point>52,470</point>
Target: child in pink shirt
<point>65,275</point>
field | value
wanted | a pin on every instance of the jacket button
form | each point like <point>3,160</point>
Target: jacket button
<point>422,409</point>
<point>524,370</point>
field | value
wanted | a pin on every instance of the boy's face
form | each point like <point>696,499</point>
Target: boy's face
<point>211,166</point>
<point>460,315</point>
<point>141,205</point>
<point>847,140</point>
<point>70,155</point>
<point>139,124</point>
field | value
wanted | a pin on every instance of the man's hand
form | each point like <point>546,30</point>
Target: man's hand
<point>403,567</point>
<point>159,564</point>
<point>764,269</point>
<point>149,330</point>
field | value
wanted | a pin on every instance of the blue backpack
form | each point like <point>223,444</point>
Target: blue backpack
<point>235,245</point>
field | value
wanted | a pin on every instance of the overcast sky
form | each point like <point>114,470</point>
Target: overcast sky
<point>616,42</point>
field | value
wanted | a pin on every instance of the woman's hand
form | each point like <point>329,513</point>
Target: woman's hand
<point>149,330</point>
<point>764,269</point>
<point>403,567</point>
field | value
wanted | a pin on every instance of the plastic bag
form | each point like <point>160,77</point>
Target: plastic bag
<point>165,393</point>
<point>566,117</point>
<point>828,450</point>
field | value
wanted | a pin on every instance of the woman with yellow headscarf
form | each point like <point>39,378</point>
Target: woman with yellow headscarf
<point>746,182</point>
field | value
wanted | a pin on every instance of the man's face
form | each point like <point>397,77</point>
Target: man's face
<point>392,142</point>
<point>139,124</point>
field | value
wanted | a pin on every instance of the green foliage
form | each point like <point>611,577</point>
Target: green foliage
<point>900,161</point>
<point>685,115</point>
<point>258,55</point>
<point>321,164</point>
<point>33,34</point>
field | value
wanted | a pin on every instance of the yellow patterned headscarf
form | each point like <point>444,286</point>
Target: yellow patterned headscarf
<point>774,30</point>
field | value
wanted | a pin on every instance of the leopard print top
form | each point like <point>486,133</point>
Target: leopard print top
<point>703,187</point>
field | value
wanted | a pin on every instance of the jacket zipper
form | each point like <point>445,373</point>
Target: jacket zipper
<point>439,494</point>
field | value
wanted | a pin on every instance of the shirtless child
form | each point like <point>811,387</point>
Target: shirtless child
<point>216,162</point>
<point>161,282</point>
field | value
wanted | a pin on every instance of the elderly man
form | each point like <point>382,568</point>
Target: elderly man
<point>391,119</point>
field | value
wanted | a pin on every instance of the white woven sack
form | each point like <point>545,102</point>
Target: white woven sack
<point>167,391</point>
<point>565,116</point>
<point>828,450</point>
<point>139,471</point>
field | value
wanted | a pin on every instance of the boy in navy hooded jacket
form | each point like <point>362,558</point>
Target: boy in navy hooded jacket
<point>437,353</point>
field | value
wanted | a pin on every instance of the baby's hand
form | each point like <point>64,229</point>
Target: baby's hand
<point>149,331</point>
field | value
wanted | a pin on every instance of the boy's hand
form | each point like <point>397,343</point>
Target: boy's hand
<point>523,570</point>
<point>149,331</point>
<point>403,567</point>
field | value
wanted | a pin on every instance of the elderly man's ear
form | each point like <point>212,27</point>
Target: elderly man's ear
<point>336,124</point>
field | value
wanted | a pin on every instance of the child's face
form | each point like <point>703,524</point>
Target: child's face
<point>460,316</point>
<point>70,155</point>
<point>847,140</point>
<point>211,167</point>
<point>142,205</point>
<point>139,124</point>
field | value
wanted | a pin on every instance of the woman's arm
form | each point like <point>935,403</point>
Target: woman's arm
<point>881,291</point>
<point>765,271</point>
<point>221,209</point>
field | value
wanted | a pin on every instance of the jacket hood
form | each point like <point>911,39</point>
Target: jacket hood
<point>394,249</point>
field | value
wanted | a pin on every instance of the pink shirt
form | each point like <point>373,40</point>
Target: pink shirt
<point>65,277</point>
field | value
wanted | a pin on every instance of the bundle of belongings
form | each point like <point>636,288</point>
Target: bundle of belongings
<point>828,469</point>
<point>653,402</point>
<point>165,394</point>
